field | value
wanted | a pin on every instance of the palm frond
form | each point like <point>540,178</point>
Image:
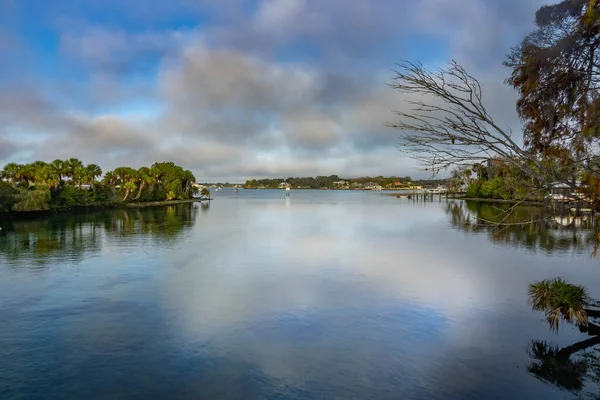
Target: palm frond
<point>559,299</point>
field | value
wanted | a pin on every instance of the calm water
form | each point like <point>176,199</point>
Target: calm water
<point>347,295</point>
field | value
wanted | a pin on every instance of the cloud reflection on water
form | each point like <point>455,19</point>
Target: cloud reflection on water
<point>345,294</point>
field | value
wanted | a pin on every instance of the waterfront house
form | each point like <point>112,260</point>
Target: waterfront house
<point>563,191</point>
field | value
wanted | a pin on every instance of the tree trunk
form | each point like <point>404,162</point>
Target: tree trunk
<point>126,195</point>
<point>139,192</point>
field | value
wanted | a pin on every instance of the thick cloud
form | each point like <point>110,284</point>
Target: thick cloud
<point>268,88</point>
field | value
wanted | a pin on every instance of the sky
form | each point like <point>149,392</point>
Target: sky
<point>234,89</point>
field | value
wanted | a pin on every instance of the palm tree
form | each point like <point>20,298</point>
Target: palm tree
<point>188,180</point>
<point>24,174</point>
<point>11,172</point>
<point>205,193</point>
<point>559,299</point>
<point>36,171</point>
<point>28,173</point>
<point>80,176</point>
<point>127,179</point>
<point>93,172</point>
<point>72,164</point>
<point>129,187</point>
<point>48,176</point>
<point>145,178</point>
<point>111,180</point>
<point>59,168</point>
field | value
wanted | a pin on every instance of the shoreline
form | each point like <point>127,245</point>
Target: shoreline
<point>502,201</point>
<point>23,215</point>
<point>161,203</point>
<point>480,200</point>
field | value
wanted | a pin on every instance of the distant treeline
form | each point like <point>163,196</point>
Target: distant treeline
<point>65,184</point>
<point>335,181</point>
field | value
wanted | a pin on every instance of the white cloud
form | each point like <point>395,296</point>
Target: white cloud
<point>225,102</point>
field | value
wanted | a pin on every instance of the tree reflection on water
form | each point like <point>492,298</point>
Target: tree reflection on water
<point>72,237</point>
<point>525,226</point>
<point>562,367</point>
<point>568,368</point>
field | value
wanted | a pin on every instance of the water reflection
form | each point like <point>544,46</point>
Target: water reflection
<point>525,226</point>
<point>205,206</point>
<point>576,367</point>
<point>342,295</point>
<point>563,367</point>
<point>73,237</point>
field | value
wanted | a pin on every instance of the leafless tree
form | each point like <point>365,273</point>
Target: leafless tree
<point>448,124</point>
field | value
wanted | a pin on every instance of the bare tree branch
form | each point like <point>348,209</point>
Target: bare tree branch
<point>451,126</point>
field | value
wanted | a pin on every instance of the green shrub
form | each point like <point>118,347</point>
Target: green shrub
<point>69,196</point>
<point>104,194</point>
<point>493,189</point>
<point>32,199</point>
<point>474,190</point>
<point>7,196</point>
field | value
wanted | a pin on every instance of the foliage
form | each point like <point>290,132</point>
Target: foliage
<point>69,183</point>
<point>474,191</point>
<point>70,196</point>
<point>162,181</point>
<point>493,189</point>
<point>559,299</point>
<point>32,199</point>
<point>502,180</point>
<point>485,189</point>
<point>555,70</point>
<point>327,181</point>
<point>7,196</point>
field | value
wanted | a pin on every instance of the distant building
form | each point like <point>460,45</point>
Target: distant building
<point>372,186</point>
<point>340,183</point>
